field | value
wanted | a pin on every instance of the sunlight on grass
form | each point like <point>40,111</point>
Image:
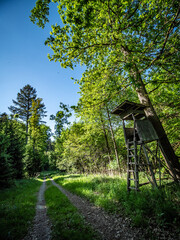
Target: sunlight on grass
<point>40,180</point>
<point>158,205</point>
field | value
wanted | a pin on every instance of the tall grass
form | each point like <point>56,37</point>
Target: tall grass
<point>67,223</point>
<point>17,208</point>
<point>160,206</point>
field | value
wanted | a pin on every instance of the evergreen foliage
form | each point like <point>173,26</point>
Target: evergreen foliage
<point>23,153</point>
<point>38,141</point>
<point>16,148</point>
<point>5,166</point>
<point>32,160</point>
<point>24,102</point>
<point>11,150</point>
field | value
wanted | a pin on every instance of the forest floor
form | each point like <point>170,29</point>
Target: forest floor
<point>108,227</point>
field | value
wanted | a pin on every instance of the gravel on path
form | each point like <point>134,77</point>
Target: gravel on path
<point>41,229</point>
<point>110,227</point>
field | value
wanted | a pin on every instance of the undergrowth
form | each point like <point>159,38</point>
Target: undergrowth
<point>149,206</point>
<point>67,223</point>
<point>17,208</point>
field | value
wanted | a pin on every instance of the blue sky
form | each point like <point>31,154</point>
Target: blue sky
<point>23,60</point>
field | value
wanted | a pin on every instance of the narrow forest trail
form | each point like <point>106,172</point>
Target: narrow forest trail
<point>110,227</point>
<point>41,229</point>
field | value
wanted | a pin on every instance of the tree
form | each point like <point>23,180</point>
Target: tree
<point>101,90</point>
<point>38,141</point>
<point>61,118</point>
<point>12,144</point>
<point>6,170</point>
<point>32,157</point>
<point>24,103</point>
<point>137,36</point>
<point>82,148</point>
<point>16,147</point>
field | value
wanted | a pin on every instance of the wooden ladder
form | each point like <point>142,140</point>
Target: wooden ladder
<point>132,166</point>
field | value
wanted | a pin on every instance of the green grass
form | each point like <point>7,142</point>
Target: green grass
<point>149,206</point>
<point>17,208</point>
<point>67,223</point>
<point>157,206</point>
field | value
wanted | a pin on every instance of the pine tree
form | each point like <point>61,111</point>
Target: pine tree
<point>6,170</point>
<point>37,145</point>
<point>24,103</point>
<point>15,148</point>
<point>5,166</point>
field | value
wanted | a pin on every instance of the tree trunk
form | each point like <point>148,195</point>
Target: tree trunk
<point>166,148</point>
<point>106,138</point>
<point>26,131</point>
<point>113,139</point>
<point>27,121</point>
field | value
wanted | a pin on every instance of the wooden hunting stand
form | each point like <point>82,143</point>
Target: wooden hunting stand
<point>136,139</point>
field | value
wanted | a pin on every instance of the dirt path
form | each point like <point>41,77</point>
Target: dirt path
<point>41,229</point>
<point>110,227</point>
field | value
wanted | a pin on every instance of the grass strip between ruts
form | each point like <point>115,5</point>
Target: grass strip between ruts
<point>67,223</point>
<point>17,208</point>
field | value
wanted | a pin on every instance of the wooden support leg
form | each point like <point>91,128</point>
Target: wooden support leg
<point>150,168</point>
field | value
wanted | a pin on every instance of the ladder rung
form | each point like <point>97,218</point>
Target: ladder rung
<point>132,179</point>
<point>134,142</point>
<point>133,163</point>
<point>131,171</point>
<point>131,155</point>
<point>133,188</point>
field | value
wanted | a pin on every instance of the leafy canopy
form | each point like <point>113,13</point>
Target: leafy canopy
<point>130,32</point>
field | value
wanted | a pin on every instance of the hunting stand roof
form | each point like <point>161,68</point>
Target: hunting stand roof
<point>127,108</point>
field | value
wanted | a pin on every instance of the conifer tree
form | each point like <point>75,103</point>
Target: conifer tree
<point>23,105</point>
<point>5,165</point>
<point>37,140</point>
<point>15,148</point>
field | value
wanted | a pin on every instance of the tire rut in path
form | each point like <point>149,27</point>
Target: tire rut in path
<point>110,227</point>
<point>41,229</point>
